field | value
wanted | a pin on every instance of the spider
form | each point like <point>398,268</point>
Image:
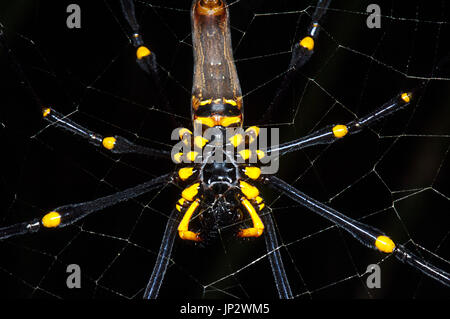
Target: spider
<point>216,193</point>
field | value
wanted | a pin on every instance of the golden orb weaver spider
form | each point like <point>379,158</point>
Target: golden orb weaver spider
<point>46,112</point>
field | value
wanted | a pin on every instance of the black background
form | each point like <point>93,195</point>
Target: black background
<point>91,74</point>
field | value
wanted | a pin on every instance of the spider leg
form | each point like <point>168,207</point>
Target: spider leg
<point>68,214</point>
<point>115,144</point>
<point>367,235</point>
<point>165,250</point>
<point>145,58</point>
<point>332,133</point>
<point>301,53</point>
<point>276,262</point>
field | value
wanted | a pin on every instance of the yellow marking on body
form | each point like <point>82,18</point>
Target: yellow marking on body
<point>236,139</point>
<point>406,97</point>
<point>252,172</point>
<point>200,141</point>
<point>227,121</point>
<point>185,172</point>
<point>183,228</point>
<point>385,244</point>
<point>180,204</point>
<point>307,43</point>
<point>142,52</point>
<point>190,192</point>
<point>260,154</point>
<point>217,101</point>
<point>229,101</point>
<point>51,220</point>
<point>177,157</point>
<point>248,190</point>
<point>205,102</point>
<point>109,142</point>
<point>340,131</point>
<point>191,156</point>
<point>253,132</point>
<point>46,111</point>
<point>208,121</point>
<point>258,226</point>
<point>245,154</point>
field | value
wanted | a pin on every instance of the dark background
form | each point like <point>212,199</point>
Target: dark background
<point>90,73</point>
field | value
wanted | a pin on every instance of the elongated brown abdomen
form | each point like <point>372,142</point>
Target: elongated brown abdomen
<point>216,93</point>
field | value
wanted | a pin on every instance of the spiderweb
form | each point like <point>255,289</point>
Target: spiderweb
<point>393,176</point>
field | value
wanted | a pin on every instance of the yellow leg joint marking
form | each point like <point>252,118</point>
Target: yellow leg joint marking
<point>252,172</point>
<point>177,158</point>
<point>259,201</point>
<point>385,244</point>
<point>340,131</point>
<point>307,43</point>
<point>46,111</point>
<point>185,173</point>
<point>227,121</point>
<point>253,132</point>
<point>260,154</point>
<point>184,132</point>
<point>190,192</point>
<point>236,140</point>
<point>406,97</point>
<point>258,226</point>
<point>245,154</point>
<point>200,141</point>
<point>109,142</point>
<point>180,204</point>
<point>51,220</point>
<point>248,190</point>
<point>183,228</point>
<point>142,52</point>
<point>191,156</point>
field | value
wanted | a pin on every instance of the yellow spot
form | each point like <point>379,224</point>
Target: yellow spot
<point>260,154</point>
<point>185,173</point>
<point>340,131</point>
<point>200,141</point>
<point>46,111</point>
<point>258,226</point>
<point>245,154</point>
<point>248,190</point>
<point>253,132</point>
<point>109,142</point>
<point>205,102</point>
<point>385,244</point>
<point>258,199</point>
<point>252,172</point>
<point>236,140</point>
<point>184,131</point>
<point>253,129</point>
<point>180,204</point>
<point>177,157</point>
<point>142,52</point>
<point>191,155</point>
<point>307,43</point>
<point>183,228</point>
<point>208,121</point>
<point>51,220</point>
<point>227,121</point>
<point>406,97</point>
<point>229,101</point>
<point>190,192</point>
